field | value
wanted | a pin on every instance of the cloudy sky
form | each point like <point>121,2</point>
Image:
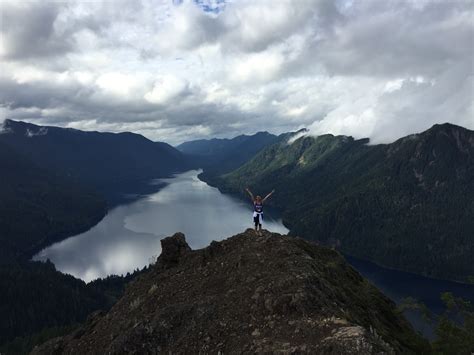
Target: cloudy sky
<point>176,70</point>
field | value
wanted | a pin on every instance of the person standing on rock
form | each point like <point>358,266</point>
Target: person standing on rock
<point>258,210</point>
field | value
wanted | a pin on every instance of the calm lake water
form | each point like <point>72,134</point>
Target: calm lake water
<point>129,237</point>
<point>399,285</point>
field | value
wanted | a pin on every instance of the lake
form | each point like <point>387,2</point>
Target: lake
<point>129,235</point>
<point>129,238</point>
<point>398,285</point>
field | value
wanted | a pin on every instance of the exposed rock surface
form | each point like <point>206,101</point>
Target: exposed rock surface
<point>246,294</point>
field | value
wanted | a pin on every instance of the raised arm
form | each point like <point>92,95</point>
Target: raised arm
<point>268,196</point>
<point>250,193</point>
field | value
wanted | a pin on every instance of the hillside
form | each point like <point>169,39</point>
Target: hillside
<point>55,183</point>
<point>218,156</point>
<point>39,207</point>
<point>34,297</point>
<point>246,294</point>
<point>113,163</point>
<point>406,205</point>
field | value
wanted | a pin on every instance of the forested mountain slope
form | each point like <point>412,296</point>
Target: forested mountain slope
<point>113,163</point>
<point>39,207</point>
<point>34,296</point>
<point>55,183</point>
<point>407,205</point>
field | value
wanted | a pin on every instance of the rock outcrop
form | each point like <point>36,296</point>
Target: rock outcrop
<point>246,294</point>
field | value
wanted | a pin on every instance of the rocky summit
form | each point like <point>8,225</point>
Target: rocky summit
<point>247,294</point>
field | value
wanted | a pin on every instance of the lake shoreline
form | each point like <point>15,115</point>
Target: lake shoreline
<point>126,198</point>
<point>129,236</point>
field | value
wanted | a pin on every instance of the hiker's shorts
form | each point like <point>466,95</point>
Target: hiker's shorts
<point>257,218</point>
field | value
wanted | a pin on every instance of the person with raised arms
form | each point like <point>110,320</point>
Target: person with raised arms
<point>258,210</point>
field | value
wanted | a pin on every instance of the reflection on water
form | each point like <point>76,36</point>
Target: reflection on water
<point>130,235</point>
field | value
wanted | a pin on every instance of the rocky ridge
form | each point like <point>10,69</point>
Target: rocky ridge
<point>247,294</point>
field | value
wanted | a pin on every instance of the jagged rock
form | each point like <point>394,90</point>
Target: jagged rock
<point>172,249</point>
<point>246,294</point>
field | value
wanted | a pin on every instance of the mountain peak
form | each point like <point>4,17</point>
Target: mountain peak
<point>440,137</point>
<point>445,125</point>
<point>442,129</point>
<point>23,128</point>
<point>269,293</point>
<point>8,122</point>
<point>6,126</point>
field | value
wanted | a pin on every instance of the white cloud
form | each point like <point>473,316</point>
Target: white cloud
<point>256,68</point>
<point>296,111</point>
<point>167,88</point>
<point>393,85</point>
<point>29,74</point>
<point>120,84</point>
<point>363,68</point>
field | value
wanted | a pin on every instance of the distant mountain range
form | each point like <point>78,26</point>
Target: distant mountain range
<point>407,205</point>
<point>112,163</point>
<point>218,156</point>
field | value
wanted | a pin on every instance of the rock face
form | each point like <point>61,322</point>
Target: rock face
<point>253,294</point>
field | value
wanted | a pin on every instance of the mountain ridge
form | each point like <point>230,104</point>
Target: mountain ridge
<point>247,293</point>
<point>219,155</point>
<point>112,163</point>
<point>404,205</point>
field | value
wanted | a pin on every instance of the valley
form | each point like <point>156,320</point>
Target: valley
<point>337,191</point>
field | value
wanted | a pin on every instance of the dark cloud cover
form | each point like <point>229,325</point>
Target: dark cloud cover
<point>184,70</point>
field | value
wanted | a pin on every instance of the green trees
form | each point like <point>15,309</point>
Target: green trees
<point>407,205</point>
<point>37,302</point>
<point>47,193</point>
<point>39,207</point>
<point>454,329</point>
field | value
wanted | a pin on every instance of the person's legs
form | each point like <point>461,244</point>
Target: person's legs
<point>256,221</point>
